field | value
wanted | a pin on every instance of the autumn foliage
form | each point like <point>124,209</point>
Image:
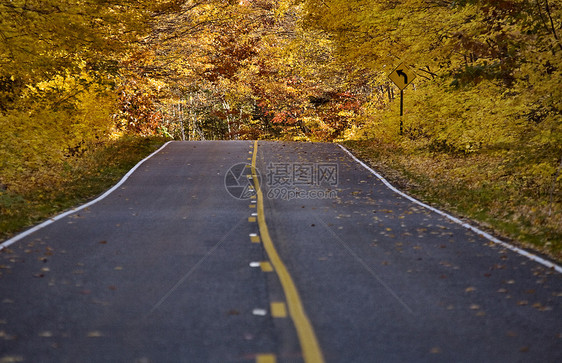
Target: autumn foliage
<point>74,74</point>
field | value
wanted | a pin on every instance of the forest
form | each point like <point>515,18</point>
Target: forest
<point>482,119</point>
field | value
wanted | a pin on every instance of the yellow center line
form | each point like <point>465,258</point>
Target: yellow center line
<point>309,344</point>
<point>266,358</point>
<point>266,266</point>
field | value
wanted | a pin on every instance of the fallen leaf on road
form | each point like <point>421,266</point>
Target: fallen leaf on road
<point>541,307</point>
<point>11,359</point>
<point>6,336</point>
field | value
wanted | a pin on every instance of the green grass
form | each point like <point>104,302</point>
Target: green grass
<point>78,180</point>
<point>486,188</point>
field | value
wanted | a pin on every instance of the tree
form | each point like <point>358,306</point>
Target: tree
<point>59,67</point>
<point>483,66</point>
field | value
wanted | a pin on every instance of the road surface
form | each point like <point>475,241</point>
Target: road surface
<point>187,262</point>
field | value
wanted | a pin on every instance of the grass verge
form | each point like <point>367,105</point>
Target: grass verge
<point>74,182</point>
<point>489,188</point>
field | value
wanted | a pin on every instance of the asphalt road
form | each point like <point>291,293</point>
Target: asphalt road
<point>175,266</point>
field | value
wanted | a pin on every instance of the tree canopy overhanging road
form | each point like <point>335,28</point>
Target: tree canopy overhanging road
<point>278,250</point>
<point>186,262</point>
<point>460,98</point>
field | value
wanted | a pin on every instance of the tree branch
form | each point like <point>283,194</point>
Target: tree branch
<point>553,28</point>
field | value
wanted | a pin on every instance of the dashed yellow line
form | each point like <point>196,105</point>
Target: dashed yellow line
<point>278,310</point>
<point>266,358</point>
<point>309,344</point>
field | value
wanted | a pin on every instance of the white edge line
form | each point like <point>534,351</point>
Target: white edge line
<point>26,233</point>
<point>488,236</point>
